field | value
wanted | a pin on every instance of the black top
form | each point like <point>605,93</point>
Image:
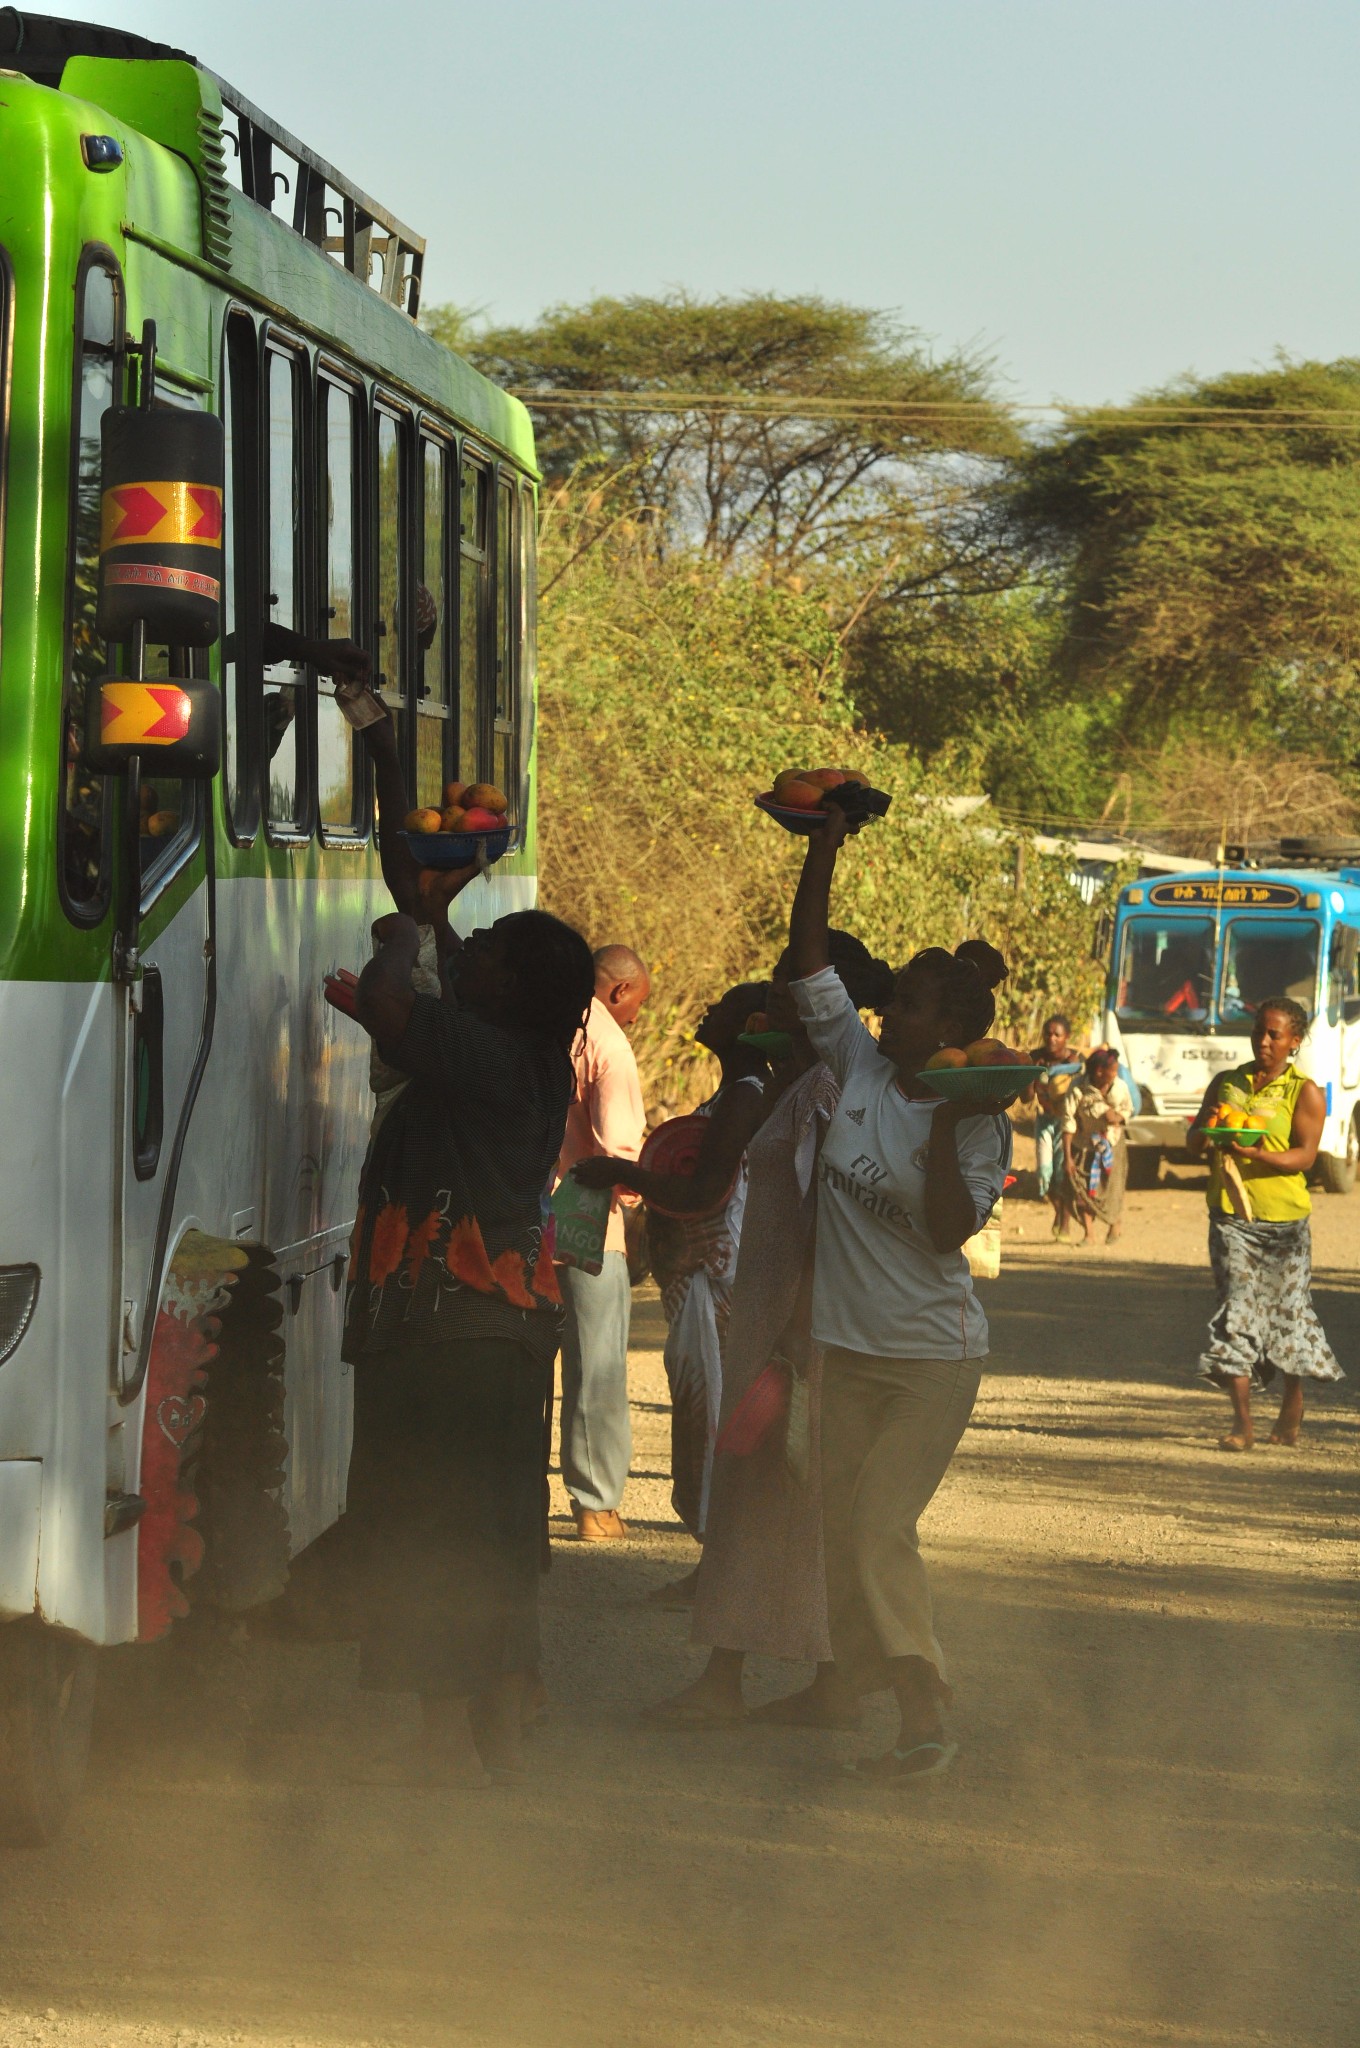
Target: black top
<point>450,1237</point>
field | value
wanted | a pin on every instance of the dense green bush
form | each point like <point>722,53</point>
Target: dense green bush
<point>670,693</point>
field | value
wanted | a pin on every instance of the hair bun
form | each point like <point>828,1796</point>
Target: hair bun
<point>989,963</point>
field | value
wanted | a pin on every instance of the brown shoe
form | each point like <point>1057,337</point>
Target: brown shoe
<point>599,1525</point>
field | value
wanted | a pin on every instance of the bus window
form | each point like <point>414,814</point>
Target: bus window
<point>432,691</point>
<point>84,814</point>
<point>240,423</point>
<point>337,783</point>
<point>1343,975</point>
<point>505,734</point>
<point>391,674</point>
<point>1166,971</point>
<point>1264,957</point>
<point>473,622</point>
<point>284,684</point>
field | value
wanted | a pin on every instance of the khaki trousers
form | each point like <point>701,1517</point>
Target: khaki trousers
<point>889,1429</point>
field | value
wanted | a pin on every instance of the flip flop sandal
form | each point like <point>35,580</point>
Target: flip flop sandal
<point>893,1767</point>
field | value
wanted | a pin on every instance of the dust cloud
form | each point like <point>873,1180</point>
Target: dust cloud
<point>1150,1835</point>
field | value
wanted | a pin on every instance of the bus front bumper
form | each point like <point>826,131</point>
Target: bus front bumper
<point>1165,1131</point>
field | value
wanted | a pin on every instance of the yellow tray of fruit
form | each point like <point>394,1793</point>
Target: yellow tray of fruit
<point>985,1071</point>
<point>800,798</point>
<point>474,815</point>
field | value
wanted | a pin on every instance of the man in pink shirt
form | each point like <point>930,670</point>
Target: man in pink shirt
<point>606,1118</point>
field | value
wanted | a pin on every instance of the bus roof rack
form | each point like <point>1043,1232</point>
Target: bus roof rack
<point>368,234</point>
<point>1327,854</point>
<point>368,240</point>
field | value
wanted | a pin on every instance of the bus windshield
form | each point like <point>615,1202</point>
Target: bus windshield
<point>1264,957</point>
<point>1166,972</point>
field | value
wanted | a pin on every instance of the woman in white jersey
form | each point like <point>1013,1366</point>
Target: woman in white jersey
<point>904,1180</point>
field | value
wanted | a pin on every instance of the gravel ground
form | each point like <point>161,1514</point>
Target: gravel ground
<point>1150,1835</point>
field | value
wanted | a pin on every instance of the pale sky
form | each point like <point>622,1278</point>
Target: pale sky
<point>1099,195</point>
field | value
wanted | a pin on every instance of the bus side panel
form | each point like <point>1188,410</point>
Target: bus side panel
<point>59,1043</point>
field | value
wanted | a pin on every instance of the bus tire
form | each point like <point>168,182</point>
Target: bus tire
<point>46,1709</point>
<point>1145,1165</point>
<point>1335,1174</point>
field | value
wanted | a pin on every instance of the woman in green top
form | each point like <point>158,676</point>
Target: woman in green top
<point>1260,1243</point>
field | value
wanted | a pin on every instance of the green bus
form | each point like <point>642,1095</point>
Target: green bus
<point>185,1117</point>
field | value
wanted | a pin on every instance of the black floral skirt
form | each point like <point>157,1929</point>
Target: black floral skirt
<point>443,1525</point>
<point>1265,1322</point>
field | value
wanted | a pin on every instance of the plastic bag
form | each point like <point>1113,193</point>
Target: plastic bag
<point>582,1219</point>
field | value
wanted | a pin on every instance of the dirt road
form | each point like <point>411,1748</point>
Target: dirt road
<point>1150,1836</point>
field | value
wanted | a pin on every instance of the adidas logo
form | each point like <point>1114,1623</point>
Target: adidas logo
<point>856,1116</point>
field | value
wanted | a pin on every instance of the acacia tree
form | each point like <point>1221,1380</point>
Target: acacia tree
<point>777,433</point>
<point>1204,545</point>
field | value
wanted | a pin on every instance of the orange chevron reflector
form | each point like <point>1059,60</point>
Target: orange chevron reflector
<point>143,714</point>
<point>163,515</point>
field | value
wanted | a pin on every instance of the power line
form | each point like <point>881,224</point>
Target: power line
<point>940,412</point>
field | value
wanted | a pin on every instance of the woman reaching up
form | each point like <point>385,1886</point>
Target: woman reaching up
<point>904,1180</point>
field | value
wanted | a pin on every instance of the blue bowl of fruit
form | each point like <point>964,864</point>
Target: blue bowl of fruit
<point>473,817</point>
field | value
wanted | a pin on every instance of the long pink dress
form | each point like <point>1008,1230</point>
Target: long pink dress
<point>762,1582</point>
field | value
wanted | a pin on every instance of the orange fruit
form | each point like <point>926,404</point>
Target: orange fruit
<point>453,793</point>
<point>481,820</point>
<point>826,778</point>
<point>452,820</point>
<point>423,821</point>
<point>794,791</point>
<point>989,1052</point>
<point>947,1056</point>
<point>484,796</point>
<point>161,824</point>
<point>1234,1119</point>
<point>757,1021</point>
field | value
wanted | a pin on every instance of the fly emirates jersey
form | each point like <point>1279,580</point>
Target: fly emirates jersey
<point>880,1286</point>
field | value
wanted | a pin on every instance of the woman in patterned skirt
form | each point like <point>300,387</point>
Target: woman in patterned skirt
<point>1260,1240</point>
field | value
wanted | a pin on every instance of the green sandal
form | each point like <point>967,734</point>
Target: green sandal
<point>897,1766</point>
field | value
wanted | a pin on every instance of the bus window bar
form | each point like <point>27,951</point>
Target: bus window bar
<point>372,244</point>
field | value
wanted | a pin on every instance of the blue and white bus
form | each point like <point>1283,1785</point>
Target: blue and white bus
<point>1193,957</point>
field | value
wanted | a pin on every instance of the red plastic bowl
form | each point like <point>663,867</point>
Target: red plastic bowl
<point>674,1147</point>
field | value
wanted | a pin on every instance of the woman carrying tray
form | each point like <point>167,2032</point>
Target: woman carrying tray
<point>452,1322</point>
<point>1260,1238</point>
<point>905,1178</point>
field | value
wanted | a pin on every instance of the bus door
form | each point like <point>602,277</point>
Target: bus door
<point>164,824</point>
<point>1343,1001</point>
<point>162,1015</point>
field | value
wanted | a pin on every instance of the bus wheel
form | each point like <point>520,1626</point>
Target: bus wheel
<point>1337,1175</point>
<point>46,1707</point>
<point>1145,1165</point>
